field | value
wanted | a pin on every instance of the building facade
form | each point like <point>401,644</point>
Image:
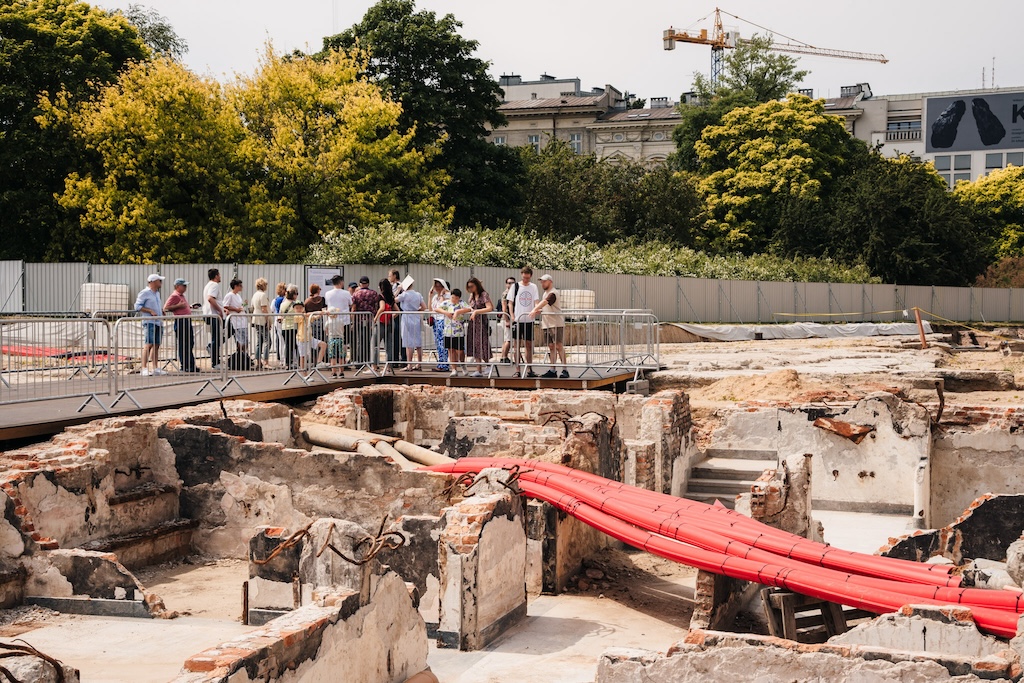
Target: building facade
<point>592,122</point>
<point>964,134</point>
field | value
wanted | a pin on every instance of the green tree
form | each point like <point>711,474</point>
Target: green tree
<point>574,195</point>
<point>447,97</point>
<point>752,73</point>
<point>327,152</point>
<point>48,47</point>
<point>156,32</point>
<point>998,202</point>
<point>761,161</point>
<point>165,182</point>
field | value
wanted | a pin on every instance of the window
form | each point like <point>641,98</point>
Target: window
<point>962,162</point>
<point>957,177</point>
<point>659,136</point>
<point>576,142</point>
<point>618,137</point>
<point>1015,158</point>
<point>942,163</point>
<point>534,141</point>
<point>903,125</point>
<point>994,160</point>
<point>499,140</point>
<point>945,176</point>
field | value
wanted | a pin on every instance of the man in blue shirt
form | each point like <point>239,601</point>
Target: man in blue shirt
<point>147,303</point>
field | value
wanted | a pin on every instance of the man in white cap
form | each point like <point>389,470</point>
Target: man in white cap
<point>147,304</point>
<point>552,324</point>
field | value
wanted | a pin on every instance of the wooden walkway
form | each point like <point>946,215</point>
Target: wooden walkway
<point>48,415</point>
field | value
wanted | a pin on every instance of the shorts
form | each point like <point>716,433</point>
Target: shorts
<point>154,333</point>
<point>304,347</point>
<point>241,335</point>
<point>455,343</point>
<point>554,335</point>
<point>336,348</point>
<point>523,331</point>
<point>508,333</point>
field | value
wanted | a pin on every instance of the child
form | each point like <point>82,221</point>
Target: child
<point>455,314</point>
<point>305,340</point>
<point>335,329</point>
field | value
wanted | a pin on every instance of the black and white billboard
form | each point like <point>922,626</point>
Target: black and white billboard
<point>974,122</point>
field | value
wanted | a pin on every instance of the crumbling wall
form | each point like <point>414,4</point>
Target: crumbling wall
<point>379,638</point>
<point>715,656</point>
<point>873,472</point>
<point>287,487</point>
<point>482,557</point>
<point>978,450</point>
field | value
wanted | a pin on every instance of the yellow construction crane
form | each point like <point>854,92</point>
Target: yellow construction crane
<point>720,39</point>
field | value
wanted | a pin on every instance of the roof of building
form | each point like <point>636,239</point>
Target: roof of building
<point>842,102</point>
<point>642,114</point>
<point>553,103</point>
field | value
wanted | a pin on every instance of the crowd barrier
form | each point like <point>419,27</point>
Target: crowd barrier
<point>105,358</point>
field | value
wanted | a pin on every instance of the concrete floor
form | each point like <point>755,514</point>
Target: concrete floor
<point>123,650</point>
<point>560,640</point>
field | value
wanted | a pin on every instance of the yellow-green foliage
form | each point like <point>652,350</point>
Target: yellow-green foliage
<point>999,199</point>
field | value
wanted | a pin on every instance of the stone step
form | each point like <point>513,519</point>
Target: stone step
<point>728,487</point>
<point>742,454</point>
<point>710,498</point>
<point>161,543</point>
<point>730,468</point>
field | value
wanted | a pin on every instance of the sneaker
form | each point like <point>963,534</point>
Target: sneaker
<point>216,367</point>
<point>144,372</point>
<point>531,374</point>
<point>454,373</point>
<point>476,374</point>
<point>565,374</point>
<point>323,365</point>
<point>516,375</point>
<point>158,371</point>
<point>550,374</point>
<point>506,361</point>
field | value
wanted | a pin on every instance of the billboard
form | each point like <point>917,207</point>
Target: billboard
<point>974,122</point>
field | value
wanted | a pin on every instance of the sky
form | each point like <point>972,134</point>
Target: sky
<point>939,45</point>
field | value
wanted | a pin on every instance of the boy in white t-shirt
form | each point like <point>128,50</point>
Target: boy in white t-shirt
<point>523,296</point>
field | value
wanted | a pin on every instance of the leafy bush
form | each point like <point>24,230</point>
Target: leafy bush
<point>388,243</point>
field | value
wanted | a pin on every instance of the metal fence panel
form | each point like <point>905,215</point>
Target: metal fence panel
<point>846,302</point>
<point>817,301</point>
<point>881,301</point>
<point>197,275</point>
<point>611,291</point>
<point>993,304</point>
<point>1016,305</point>
<point>775,303</point>
<point>54,286</point>
<point>742,296</point>
<point>11,283</point>
<point>660,295</point>
<point>953,303</point>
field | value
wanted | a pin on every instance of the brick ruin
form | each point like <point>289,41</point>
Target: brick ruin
<point>355,556</point>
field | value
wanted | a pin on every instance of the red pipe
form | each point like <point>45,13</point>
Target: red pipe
<point>711,540</point>
<point>802,580</point>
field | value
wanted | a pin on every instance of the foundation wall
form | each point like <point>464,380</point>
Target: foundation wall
<point>979,451</point>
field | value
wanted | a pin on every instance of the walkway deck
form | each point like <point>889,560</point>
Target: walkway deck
<point>46,416</point>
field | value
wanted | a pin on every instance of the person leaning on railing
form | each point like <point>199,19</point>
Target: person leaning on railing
<point>178,306</point>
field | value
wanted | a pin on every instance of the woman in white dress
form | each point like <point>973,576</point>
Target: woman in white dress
<point>412,325</point>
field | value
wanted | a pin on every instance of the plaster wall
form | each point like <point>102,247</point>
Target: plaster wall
<point>966,464</point>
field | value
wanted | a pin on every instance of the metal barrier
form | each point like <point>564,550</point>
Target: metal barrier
<point>46,358</point>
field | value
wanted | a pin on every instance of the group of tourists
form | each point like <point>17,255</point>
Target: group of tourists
<point>321,331</point>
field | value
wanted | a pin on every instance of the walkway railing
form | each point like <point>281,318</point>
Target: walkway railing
<point>105,359</point>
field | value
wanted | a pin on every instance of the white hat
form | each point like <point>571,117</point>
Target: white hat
<point>443,282</point>
<point>154,277</point>
<point>545,276</point>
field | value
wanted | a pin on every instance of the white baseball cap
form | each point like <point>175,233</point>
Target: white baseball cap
<point>154,277</point>
<point>545,276</point>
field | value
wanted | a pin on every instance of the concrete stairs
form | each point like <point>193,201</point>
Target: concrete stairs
<point>726,472</point>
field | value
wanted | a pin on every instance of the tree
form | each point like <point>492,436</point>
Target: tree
<point>447,97</point>
<point>156,32</point>
<point>754,69</point>
<point>751,74</point>
<point>573,195</point>
<point>897,217</point>
<point>165,182</point>
<point>763,159</point>
<point>48,46</point>
<point>327,152</point>
<point>998,202</point>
